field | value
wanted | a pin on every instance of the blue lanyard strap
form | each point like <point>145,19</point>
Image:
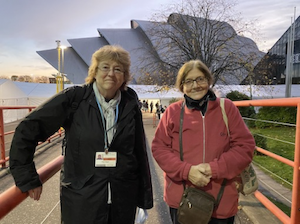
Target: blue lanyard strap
<point>104,123</point>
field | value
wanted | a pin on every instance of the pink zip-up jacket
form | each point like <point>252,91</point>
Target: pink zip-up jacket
<point>205,140</point>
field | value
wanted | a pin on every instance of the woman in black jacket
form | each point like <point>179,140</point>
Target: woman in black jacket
<point>106,173</point>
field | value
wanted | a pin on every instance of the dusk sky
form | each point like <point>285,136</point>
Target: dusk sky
<point>27,26</point>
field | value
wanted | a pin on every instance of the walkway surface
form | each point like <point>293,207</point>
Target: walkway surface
<point>47,210</point>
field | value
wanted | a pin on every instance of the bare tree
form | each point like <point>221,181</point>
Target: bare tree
<point>4,77</point>
<point>198,29</point>
<point>41,79</point>
<point>21,78</point>
<point>14,77</point>
<point>25,78</point>
<point>270,70</point>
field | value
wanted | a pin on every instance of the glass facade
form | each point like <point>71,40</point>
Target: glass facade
<point>272,68</point>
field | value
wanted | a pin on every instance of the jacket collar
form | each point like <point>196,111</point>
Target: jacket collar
<point>129,99</point>
<point>200,104</point>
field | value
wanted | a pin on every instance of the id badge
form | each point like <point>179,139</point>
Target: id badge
<point>103,159</point>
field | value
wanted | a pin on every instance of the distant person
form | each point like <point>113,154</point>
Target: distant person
<point>147,106</point>
<point>209,154</point>
<point>158,111</point>
<point>106,172</point>
<point>144,105</point>
<point>151,107</point>
<point>161,108</point>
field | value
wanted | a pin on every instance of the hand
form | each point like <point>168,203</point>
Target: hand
<point>205,169</point>
<point>197,175</point>
<point>35,193</point>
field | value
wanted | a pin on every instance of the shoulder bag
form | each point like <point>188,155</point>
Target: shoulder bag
<point>249,182</point>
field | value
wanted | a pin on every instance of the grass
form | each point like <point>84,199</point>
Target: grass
<point>280,148</point>
<point>281,206</point>
<point>283,149</point>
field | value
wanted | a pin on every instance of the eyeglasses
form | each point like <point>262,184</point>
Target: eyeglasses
<point>199,80</point>
<point>107,69</point>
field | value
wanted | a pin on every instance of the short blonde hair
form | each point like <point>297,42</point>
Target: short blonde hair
<point>114,53</point>
<point>187,67</point>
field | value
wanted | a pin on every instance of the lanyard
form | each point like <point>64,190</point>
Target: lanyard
<point>104,124</point>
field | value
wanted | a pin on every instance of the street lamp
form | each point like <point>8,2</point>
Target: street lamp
<point>60,75</point>
<point>63,66</point>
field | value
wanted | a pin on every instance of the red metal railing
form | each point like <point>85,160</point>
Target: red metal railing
<point>12,197</point>
<point>295,208</point>
<point>154,122</point>
<point>3,157</point>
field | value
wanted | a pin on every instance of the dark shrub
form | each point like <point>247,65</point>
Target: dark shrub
<point>276,114</point>
<point>260,142</point>
<point>246,112</point>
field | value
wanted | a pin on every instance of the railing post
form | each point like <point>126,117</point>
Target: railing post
<point>2,142</point>
<point>154,120</point>
<point>295,209</point>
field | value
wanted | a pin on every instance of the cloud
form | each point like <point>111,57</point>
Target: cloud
<point>273,18</point>
<point>31,25</point>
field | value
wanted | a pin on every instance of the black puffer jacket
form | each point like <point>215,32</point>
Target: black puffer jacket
<point>84,184</point>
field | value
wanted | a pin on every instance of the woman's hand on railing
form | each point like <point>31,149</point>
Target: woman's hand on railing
<point>35,193</point>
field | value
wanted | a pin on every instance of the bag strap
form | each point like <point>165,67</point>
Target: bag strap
<point>74,101</point>
<point>180,130</point>
<point>76,98</point>
<point>219,196</point>
<point>180,136</point>
<point>225,118</point>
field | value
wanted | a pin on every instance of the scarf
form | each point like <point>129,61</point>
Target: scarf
<point>200,105</point>
<point>196,104</point>
<point>108,109</point>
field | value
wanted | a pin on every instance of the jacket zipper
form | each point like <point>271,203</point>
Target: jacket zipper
<point>203,127</point>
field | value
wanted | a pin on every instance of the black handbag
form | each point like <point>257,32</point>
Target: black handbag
<point>196,206</point>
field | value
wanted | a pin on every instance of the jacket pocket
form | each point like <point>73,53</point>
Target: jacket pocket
<point>76,183</point>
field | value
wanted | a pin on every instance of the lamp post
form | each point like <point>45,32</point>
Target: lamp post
<point>63,66</point>
<point>289,59</point>
<point>60,75</point>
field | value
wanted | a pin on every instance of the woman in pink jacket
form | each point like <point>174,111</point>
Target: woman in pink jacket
<point>210,155</point>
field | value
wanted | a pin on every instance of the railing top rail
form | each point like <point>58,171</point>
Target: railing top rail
<point>7,107</point>
<point>278,102</point>
<point>289,102</point>
<point>13,196</point>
